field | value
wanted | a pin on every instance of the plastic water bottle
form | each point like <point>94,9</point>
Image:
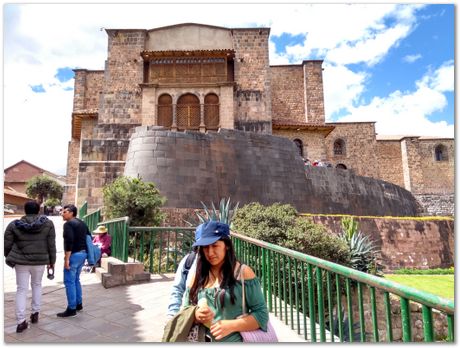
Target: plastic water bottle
<point>203,303</point>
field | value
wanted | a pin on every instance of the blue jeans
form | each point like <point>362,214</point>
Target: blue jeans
<point>72,279</point>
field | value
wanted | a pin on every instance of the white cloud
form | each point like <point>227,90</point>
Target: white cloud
<point>407,112</point>
<point>411,58</point>
<point>343,88</point>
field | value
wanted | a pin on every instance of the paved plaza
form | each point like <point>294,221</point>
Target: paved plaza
<point>123,314</point>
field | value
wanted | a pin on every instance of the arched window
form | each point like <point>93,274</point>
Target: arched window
<point>341,166</point>
<point>440,153</point>
<point>339,147</point>
<point>165,116</point>
<point>188,112</point>
<point>211,111</point>
<point>299,145</point>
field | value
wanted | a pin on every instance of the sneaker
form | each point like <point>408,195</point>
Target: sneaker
<point>34,318</point>
<point>79,307</point>
<point>21,327</point>
<point>67,313</point>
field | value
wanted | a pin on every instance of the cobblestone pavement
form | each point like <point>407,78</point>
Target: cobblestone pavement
<point>123,314</point>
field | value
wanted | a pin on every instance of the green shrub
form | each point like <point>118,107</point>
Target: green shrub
<point>279,224</point>
<point>52,202</point>
<point>312,239</point>
<point>267,223</point>
<point>132,197</point>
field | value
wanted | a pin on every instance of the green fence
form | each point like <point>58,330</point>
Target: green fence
<point>320,300</point>
<point>83,210</point>
<point>342,303</point>
<point>92,220</point>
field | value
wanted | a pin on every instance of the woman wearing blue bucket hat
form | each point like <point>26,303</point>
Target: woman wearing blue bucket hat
<point>217,284</point>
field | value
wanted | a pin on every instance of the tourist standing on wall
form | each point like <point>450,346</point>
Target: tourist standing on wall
<point>75,253</point>
<point>29,245</point>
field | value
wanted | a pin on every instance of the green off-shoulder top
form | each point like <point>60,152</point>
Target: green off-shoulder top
<point>255,305</point>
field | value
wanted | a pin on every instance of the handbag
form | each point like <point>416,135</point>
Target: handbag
<point>256,336</point>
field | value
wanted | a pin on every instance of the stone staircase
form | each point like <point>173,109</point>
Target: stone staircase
<point>114,272</point>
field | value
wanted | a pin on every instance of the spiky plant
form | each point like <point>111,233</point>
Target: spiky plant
<point>224,214</point>
<point>363,251</point>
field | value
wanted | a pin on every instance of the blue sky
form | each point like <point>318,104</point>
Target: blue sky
<point>389,63</point>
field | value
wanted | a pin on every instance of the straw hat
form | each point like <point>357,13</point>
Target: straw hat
<point>100,230</point>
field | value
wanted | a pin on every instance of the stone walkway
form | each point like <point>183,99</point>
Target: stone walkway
<point>123,314</point>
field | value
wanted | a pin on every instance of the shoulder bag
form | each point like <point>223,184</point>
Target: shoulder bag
<point>256,336</point>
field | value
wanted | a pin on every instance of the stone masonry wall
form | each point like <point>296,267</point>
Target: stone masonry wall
<point>73,157</point>
<point>287,84</point>
<point>435,204</point>
<point>94,86</point>
<point>360,147</point>
<point>122,97</point>
<point>405,243</point>
<point>91,179</point>
<point>338,191</point>
<point>87,89</point>
<point>102,160</point>
<point>390,161</point>
<point>191,167</point>
<point>438,176</point>
<point>313,142</point>
<point>412,168</point>
<point>252,77</point>
<point>313,74</point>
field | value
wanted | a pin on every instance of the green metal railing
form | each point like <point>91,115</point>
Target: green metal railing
<point>320,300</point>
<point>92,220</point>
<point>83,210</point>
<point>118,230</point>
<point>299,285</point>
<point>160,248</point>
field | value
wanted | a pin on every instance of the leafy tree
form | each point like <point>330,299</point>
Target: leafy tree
<point>52,202</point>
<point>43,187</point>
<point>133,197</point>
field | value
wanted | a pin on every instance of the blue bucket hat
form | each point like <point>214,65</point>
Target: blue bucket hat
<point>210,232</point>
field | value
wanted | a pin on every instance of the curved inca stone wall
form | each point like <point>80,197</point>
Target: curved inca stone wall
<point>191,167</point>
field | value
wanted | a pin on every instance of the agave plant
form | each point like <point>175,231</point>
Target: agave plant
<point>224,214</point>
<point>363,251</point>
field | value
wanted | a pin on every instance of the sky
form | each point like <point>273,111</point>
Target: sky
<point>388,63</point>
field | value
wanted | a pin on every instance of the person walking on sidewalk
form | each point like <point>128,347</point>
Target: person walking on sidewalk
<point>29,245</point>
<point>75,253</point>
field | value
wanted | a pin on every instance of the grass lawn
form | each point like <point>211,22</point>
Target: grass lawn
<point>441,285</point>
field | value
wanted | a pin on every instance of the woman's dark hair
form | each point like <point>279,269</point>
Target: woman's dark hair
<point>203,268</point>
<point>72,208</point>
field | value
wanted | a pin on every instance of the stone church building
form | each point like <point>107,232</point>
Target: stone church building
<point>193,77</point>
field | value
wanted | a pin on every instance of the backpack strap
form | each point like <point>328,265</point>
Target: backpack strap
<point>189,261</point>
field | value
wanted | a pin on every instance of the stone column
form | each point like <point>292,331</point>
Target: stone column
<point>174,122</point>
